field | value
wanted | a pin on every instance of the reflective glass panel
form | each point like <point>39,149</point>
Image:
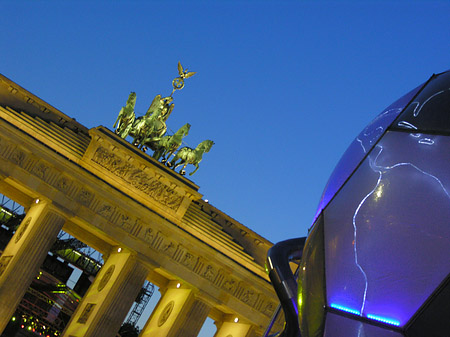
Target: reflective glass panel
<point>311,283</point>
<point>361,146</point>
<point>338,326</point>
<point>387,232</point>
<point>433,320</point>
<point>430,110</point>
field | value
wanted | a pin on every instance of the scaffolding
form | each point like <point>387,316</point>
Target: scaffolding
<point>141,302</point>
<point>70,250</point>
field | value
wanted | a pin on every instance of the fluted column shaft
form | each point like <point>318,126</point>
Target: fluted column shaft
<point>24,254</point>
<point>109,298</point>
<point>178,313</point>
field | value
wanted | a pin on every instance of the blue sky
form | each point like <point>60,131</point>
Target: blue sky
<point>282,87</point>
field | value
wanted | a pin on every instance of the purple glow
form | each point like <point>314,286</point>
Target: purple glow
<point>360,146</point>
<point>387,238</point>
<point>338,326</point>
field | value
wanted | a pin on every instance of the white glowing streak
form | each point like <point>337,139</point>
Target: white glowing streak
<point>416,113</point>
<point>365,134</point>
<point>379,170</point>
<point>426,141</point>
<point>355,241</point>
<point>406,125</point>
<point>421,171</point>
<point>361,143</point>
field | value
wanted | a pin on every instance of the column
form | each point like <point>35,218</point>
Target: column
<point>179,312</point>
<point>232,326</point>
<point>25,253</point>
<point>109,298</point>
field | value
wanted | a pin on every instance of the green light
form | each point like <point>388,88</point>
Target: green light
<point>300,296</point>
<point>13,319</point>
<point>29,327</point>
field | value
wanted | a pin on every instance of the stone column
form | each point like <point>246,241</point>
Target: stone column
<point>232,326</point>
<point>109,298</point>
<point>24,255</point>
<point>179,312</point>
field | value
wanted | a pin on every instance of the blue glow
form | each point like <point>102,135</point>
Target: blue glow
<point>384,320</point>
<point>342,308</point>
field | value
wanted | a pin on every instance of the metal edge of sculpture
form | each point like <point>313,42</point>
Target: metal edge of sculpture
<point>149,131</point>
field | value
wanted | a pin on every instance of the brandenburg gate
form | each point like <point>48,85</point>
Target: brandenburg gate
<point>148,221</point>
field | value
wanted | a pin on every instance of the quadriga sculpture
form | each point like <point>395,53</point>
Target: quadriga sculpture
<point>188,155</point>
<point>126,117</point>
<point>167,145</point>
<point>152,126</point>
<point>146,128</point>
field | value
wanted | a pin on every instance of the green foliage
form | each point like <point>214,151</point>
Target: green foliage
<point>129,330</point>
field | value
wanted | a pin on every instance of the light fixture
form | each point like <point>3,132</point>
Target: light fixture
<point>384,320</point>
<point>178,285</point>
<point>346,309</point>
<point>236,320</point>
<point>119,250</point>
<point>37,201</point>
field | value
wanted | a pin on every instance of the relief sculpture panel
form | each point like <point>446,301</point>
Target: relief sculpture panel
<point>138,179</point>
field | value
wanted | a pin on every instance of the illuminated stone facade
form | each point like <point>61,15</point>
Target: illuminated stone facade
<point>150,222</point>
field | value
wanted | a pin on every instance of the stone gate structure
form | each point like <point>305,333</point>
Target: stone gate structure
<point>148,221</point>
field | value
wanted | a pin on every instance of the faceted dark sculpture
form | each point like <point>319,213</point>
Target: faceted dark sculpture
<point>382,231</point>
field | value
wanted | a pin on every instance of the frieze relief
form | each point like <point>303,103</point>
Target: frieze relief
<point>269,309</point>
<point>126,223</point>
<point>168,248</point>
<point>248,296</point>
<point>148,235</point>
<point>210,273</point>
<point>18,157</point>
<point>106,211</point>
<point>41,170</point>
<point>138,179</point>
<point>230,284</point>
<point>84,197</point>
<point>189,260</point>
<point>63,184</point>
<point>135,227</point>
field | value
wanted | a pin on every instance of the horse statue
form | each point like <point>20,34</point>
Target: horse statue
<point>152,126</point>
<point>190,156</point>
<point>148,129</point>
<point>163,104</point>
<point>126,117</point>
<point>167,145</point>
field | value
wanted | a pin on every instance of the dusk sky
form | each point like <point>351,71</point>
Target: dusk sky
<point>282,87</point>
